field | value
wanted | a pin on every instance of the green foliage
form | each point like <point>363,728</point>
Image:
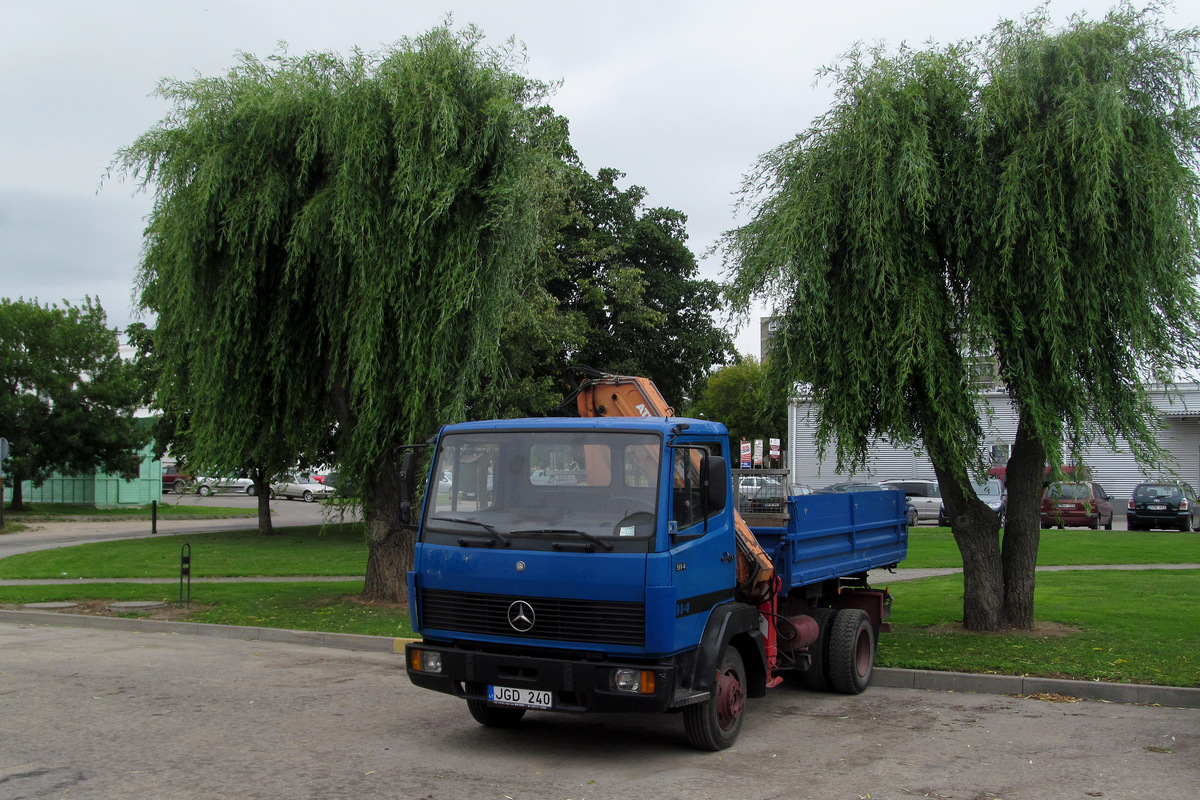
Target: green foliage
<point>1032,195</point>
<point>333,246</point>
<point>738,396</point>
<point>66,397</point>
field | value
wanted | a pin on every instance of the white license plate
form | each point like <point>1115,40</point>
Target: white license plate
<point>1157,508</point>
<point>522,698</point>
<point>1066,505</point>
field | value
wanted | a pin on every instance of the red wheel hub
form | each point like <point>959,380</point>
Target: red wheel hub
<point>730,700</point>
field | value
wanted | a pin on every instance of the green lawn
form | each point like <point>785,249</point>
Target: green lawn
<point>332,550</point>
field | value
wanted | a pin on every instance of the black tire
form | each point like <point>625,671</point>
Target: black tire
<point>179,486</point>
<point>816,677</point>
<point>1096,525</point>
<point>492,716</point>
<point>1108,525</point>
<point>309,496</point>
<point>851,651</point>
<point>205,490</point>
<point>250,490</point>
<point>715,723</point>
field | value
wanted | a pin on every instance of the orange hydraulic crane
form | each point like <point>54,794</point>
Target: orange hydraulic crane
<point>603,395</point>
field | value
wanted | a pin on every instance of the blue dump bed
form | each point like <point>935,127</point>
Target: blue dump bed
<point>831,535</point>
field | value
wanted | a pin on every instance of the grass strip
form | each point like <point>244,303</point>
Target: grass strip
<point>935,547</point>
<point>322,550</point>
<point>63,512</point>
<point>1122,626</point>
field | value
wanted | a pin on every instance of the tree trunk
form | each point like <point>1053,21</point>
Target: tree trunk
<point>18,495</point>
<point>1022,533</point>
<point>976,530</point>
<point>262,492</point>
<point>389,546</point>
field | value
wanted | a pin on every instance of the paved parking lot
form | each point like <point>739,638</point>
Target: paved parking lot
<point>118,714</point>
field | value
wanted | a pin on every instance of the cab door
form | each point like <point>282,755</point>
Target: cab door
<point>703,545</point>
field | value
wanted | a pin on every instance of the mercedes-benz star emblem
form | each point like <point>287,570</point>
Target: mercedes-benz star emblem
<point>520,616</point>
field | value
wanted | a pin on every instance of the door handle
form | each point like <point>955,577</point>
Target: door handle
<point>727,557</point>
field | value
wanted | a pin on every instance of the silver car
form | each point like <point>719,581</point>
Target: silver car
<point>206,486</point>
<point>303,487</point>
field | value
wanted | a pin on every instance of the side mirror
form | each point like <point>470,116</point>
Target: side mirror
<point>407,485</point>
<point>715,477</point>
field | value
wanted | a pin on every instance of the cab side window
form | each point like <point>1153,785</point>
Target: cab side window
<point>687,491</point>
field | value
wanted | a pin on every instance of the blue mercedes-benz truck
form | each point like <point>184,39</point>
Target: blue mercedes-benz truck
<point>595,565</point>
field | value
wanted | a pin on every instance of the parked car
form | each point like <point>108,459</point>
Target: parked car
<point>798,489</point>
<point>302,487</point>
<point>206,486</point>
<point>768,499</point>
<point>1163,504</point>
<point>925,495</point>
<point>174,480</point>
<point>991,492</point>
<point>1076,504</point>
<point>748,485</point>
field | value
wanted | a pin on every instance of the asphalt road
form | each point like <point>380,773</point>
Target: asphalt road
<point>115,714</point>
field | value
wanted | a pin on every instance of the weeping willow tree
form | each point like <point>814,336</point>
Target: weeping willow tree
<point>1029,198</point>
<point>333,245</point>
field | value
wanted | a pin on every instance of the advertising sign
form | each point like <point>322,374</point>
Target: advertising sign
<point>745,454</point>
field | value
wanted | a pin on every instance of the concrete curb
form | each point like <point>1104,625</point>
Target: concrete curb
<point>1173,696</point>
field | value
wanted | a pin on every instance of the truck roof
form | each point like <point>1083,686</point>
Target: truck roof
<point>664,425</point>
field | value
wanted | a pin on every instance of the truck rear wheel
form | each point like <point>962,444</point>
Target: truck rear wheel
<point>492,716</point>
<point>716,723</point>
<point>851,651</point>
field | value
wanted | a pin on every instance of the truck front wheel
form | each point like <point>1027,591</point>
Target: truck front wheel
<point>851,651</point>
<point>716,723</point>
<point>492,716</point>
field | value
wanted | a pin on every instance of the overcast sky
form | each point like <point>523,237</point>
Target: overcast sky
<point>681,96</point>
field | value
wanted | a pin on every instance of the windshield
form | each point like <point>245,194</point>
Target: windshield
<point>1069,491</point>
<point>567,490</point>
<point>1158,491</point>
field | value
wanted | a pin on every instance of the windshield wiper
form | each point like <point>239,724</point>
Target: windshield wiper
<point>496,535</point>
<point>568,531</point>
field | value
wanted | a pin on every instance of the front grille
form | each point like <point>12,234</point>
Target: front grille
<point>591,621</point>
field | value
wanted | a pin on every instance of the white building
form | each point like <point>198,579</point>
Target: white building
<point>1117,471</point>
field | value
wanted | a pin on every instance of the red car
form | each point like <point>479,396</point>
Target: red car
<point>1074,504</point>
<point>174,479</point>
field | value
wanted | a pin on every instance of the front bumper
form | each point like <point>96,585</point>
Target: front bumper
<point>576,685</point>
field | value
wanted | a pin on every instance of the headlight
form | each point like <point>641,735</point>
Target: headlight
<point>425,660</point>
<point>634,681</point>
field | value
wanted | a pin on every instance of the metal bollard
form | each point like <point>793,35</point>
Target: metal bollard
<point>154,516</point>
<point>185,570</point>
